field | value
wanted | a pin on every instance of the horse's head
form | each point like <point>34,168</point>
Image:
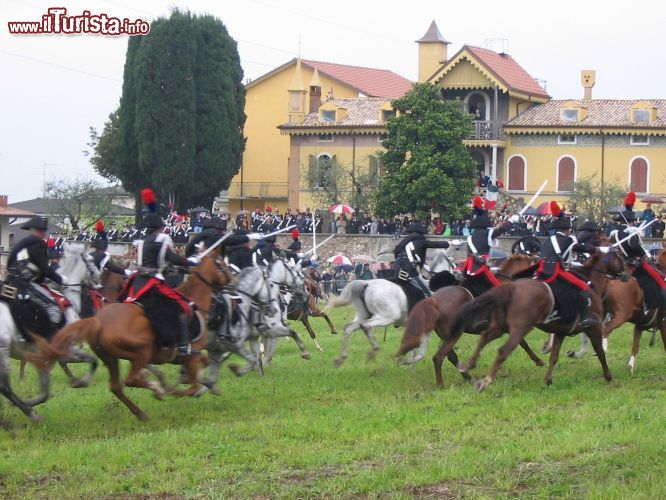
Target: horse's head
<point>516,263</point>
<point>77,265</point>
<point>615,266</point>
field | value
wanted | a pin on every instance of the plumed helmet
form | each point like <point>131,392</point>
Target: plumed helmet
<point>477,205</point>
<point>149,200</point>
<point>560,220</point>
<point>151,221</point>
<point>416,227</point>
<point>295,234</point>
<point>36,223</point>
<point>99,243</point>
<point>99,226</point>
<point>481,222</point>
<point>628,214</point>
<point>589,225</point>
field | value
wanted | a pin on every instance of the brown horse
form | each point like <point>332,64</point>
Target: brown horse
<point>624,303</point>
<point>122,331</point>
<point>517,307</point>
<point>302,314</point>
<point>112,284</point>
<point>438,312</point>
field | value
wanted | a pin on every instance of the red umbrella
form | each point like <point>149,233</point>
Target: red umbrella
<point>544,209</point>
<point>341,209</point>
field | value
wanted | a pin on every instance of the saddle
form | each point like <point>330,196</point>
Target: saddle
<point>567,301</point>
<point>29,316</point>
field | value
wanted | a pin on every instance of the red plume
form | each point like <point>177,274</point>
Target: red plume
<point>148,196</point>
<point>99,226</point>
<point>477,202</point>
<point>51,243</point>
<point>629,200</point>
<point>555,209</point>
<point>295,234</point>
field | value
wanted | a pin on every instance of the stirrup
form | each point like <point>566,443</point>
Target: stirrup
<point>187,350</point>
<point>588,322</point>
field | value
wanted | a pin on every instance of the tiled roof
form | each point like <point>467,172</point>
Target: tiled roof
<point>600,113</point>
<point>14,212</point>
<point>506,70</point>
<point>361,112</point>
<point>432,35</point>
<point>46,206</point>
<point>368,81</point>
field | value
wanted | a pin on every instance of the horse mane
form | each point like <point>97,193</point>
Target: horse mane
<point>516,257</point>
<point>71,262</point>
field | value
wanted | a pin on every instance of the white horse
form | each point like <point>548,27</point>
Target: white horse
<point>258,314</point>
<point>378,303</point>
<point>12,344</point>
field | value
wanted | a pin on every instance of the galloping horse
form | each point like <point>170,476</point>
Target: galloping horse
<point>518,306</point>
<point>300,312</point>
<point>122,331</point>
<point>624,303</point>
<point>438,313</point>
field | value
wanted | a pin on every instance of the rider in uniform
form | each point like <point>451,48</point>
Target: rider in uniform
<point>102,259</point>
<point>410,255</point>
<point>476,270</point>
<point>556,253</point>
<point>262,253</point>
<point>652,284</point>
<point>28,267</point>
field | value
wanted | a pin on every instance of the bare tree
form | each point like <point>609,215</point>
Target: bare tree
<point>80,200</point>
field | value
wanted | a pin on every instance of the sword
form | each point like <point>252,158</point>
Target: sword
<point>225,236</point>
<point>533,198</point>
<point>634,232</point>
<point>317,246</point>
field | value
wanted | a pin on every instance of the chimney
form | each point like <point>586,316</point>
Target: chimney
<point>3,200</point>
<point>315,92</point>
<point>588,79</point>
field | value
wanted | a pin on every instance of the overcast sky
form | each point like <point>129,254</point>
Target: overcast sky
<point>54,87</point>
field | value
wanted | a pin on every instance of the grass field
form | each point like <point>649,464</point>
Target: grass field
<point>367,429</point>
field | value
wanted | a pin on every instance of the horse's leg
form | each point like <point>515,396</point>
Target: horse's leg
<point>344,353</point>
<point>653,337</point>
<point>453,359</point>
<point>192,365</point>
<point>662,329</point>
<point>304,350</point>
<point>79,356</point>
<point>117,387</point>
<point>548,344</point>
<point>372,353</point>
<point>486,337</point>
<point>256,350</point>
<point>322,314</point>
<point>159,374</point>
<point>44,380</point>
<point>135,377</point>
<point>22,364</point>
<point>595,336</point>
<point>554,356</point>
<point>635,346</point>
<point>526,347</point>
<point>515,336</point>
<point>445,349</point>
<point>420,352</point>
<point>209,381</point>
<point>6,390</point>
<point>306,323</point>
<point>239,349</point>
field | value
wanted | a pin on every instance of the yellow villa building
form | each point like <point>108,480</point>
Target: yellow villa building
<point>305,112</point>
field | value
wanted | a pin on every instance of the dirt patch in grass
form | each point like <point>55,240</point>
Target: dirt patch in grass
<point>441,490</point>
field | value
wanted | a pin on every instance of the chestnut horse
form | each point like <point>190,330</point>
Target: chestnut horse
<point>518,306</point>
<point>624,303</point>
<point>302,314</point>
<point>122,331</point>
<point>438,312</point>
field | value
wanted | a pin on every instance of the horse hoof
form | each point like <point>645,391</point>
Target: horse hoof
<point>159,395</point>
<point>142,416</point>
<point>320,349</point>
<point>305,355</point>
<point>609,377</point>
<point>35,417</point>
<point>539,362</point>
<point>480,385</point>
<point>548,381</point>
<point>202,390</point>
<point>338,362</point>
<point>77,383</point>
<point>216,391</point>
<point>463,367</point>
<point>465,376</point>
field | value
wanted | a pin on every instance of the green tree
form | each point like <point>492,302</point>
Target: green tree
<point>104,148</point>
<point>181,116</point>
<point>80,200</point>
<point>590,199</point>
<point>425,161</point>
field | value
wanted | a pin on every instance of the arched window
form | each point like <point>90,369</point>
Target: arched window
<point>566,174</point>
<point>638,175</point>
<point>319,171</point>
<point>516,173</point>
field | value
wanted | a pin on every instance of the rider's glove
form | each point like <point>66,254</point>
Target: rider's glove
<point>128,272</point>
<point>255,236</point>
<point>604,249</point>
<point>193,260</point>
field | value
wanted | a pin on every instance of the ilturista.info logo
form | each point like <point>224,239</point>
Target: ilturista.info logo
<point>56,21</point>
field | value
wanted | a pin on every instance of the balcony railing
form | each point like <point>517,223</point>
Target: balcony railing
<point>264,190</point>
<point>486,130</point>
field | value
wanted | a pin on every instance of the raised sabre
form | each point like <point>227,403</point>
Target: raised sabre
<point>634,232</point>
<point>317,246</point>
<point>522,211</point>
<point>225,236</point>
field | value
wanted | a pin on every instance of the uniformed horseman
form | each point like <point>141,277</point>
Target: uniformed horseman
<point>410,255</point>
<point>27,271</point>
<point>557,252</point>
<point>650,281</point>
<point>102,259</point>
<point>475,270</point>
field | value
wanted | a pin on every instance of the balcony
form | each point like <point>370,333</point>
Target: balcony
<point>258,190</point>
<point>486,130</point>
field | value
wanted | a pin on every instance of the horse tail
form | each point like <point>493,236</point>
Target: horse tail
<point>421,320</point>
<point>354,289</point>
<point>50,352</point>
<point>482,307</point>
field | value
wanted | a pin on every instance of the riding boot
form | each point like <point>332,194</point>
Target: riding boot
<point>586,321</point>
<point>184,346</point>
<point>419,285</point>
